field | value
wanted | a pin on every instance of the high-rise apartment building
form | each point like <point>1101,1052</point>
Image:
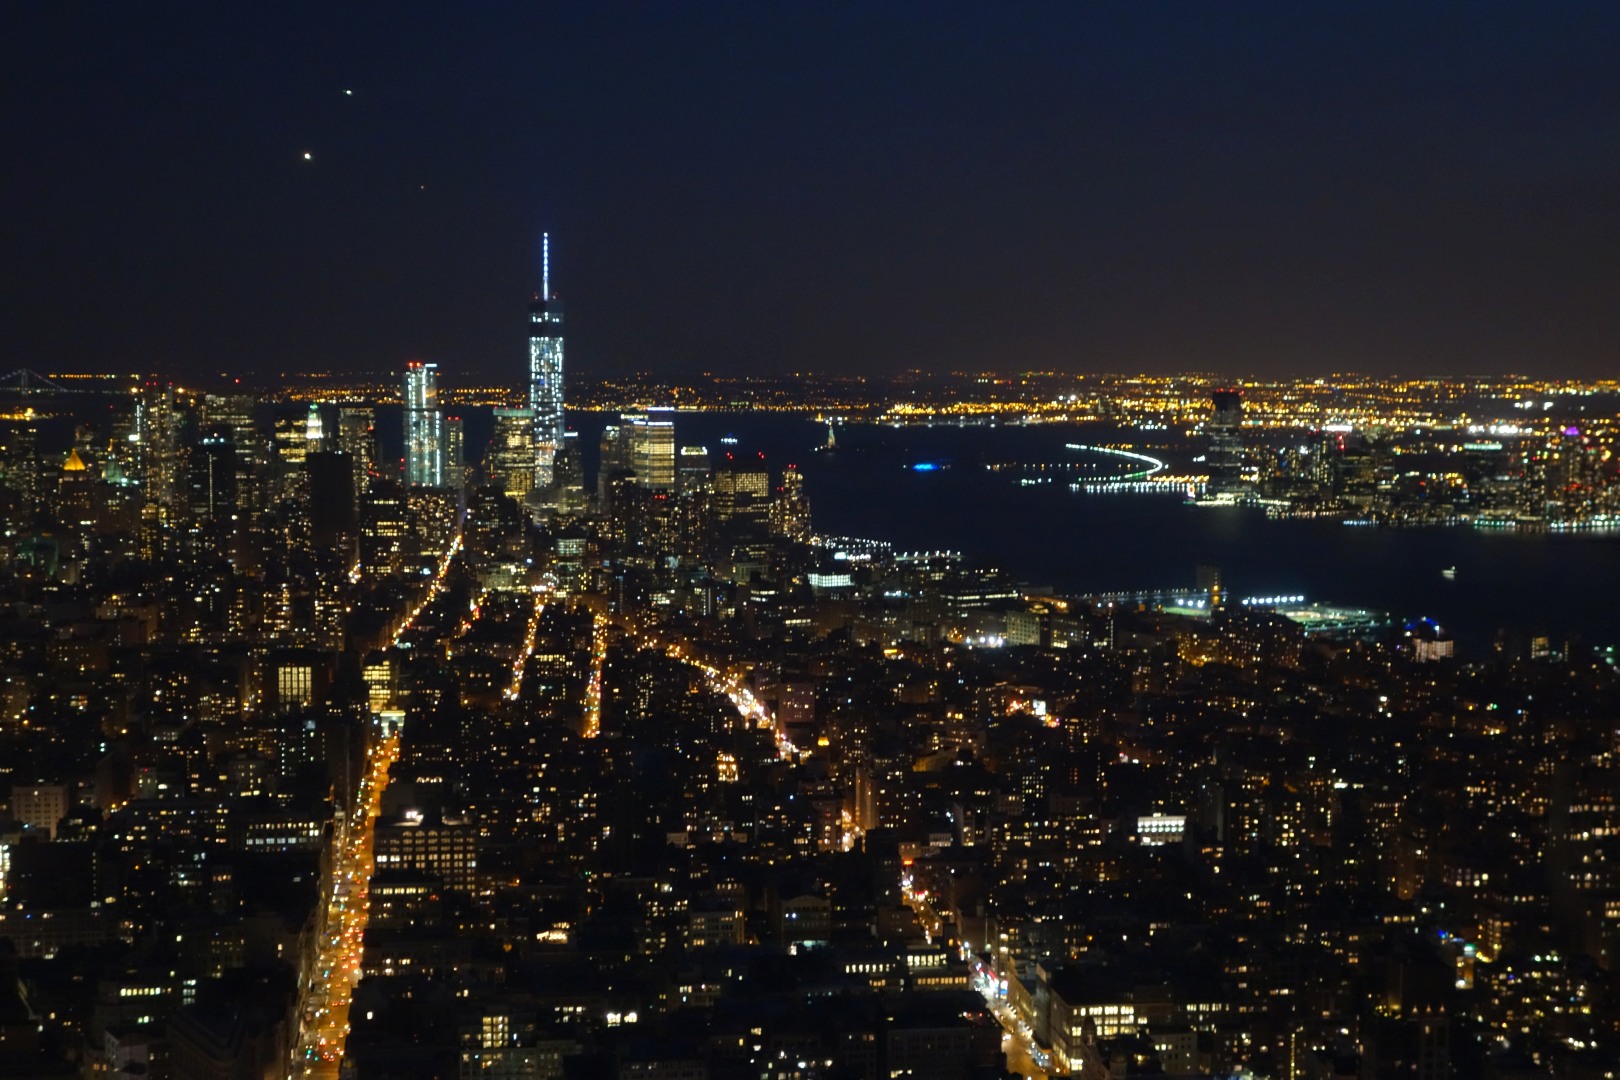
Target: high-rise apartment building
<point>546,372</point>
<point>424,426</point>
<point>157,440</point>
<point>790,510</point>
<point>454,453</point>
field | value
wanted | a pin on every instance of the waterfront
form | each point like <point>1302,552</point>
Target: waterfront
<point>1523,583</point>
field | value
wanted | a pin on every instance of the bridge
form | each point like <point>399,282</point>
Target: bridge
<point>1154,465</point>
<point>31,382</point>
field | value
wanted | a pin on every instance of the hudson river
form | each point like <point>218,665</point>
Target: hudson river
<point>1045,533</point>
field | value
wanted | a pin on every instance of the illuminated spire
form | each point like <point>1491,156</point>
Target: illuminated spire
<point>545,266</point>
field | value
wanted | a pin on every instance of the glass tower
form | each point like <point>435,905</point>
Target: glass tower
<point>424,426</point>
<point>652,447</point>
<point>509,461</point>
<point>1225,429</point>
<point>546,373</point>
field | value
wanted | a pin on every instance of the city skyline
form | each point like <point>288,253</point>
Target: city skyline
<point>961,609</point>
<point>986,731</point>
<point>1395,188</point>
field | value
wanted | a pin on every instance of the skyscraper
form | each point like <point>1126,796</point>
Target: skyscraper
<point>790,510</point>
<point>156,439</point>
<point>212,479</point>
<point>693,473</point>
<point>314,431</point>
<point>235,412</point>
<point>1225,429</point>
<point>354,438</point>
<point>453,453</point>
<point>741,492</point>
<point>424,426</point>
<point>612,461</point>
<point>652,447</point>
<point>333,519</point>
<point>546,372</point>
<point>509,460</point>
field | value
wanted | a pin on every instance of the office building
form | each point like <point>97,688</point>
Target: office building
<point>612,460</point>
<point>742,494</point>
<point>40,806</point>
<point>509,461</point>
<point>212,518</point>
<point>234,413</point>
<point>652,447</point>
<point>333,516</point>
<point>546,372</point>
<point>355,438</point>
<point>446,849</point>
<point>566,496</point>
<point>314,430</point>
<point>693,472</point>
<point>1225,429</point>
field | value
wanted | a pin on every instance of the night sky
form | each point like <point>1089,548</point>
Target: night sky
<point>1291,188</point>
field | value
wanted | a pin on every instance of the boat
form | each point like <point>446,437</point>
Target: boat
<point>1449,573</point>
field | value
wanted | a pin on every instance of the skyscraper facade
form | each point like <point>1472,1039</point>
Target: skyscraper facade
<point>546,373</point>
<point>453,453</point>
<point>314,431</point>
<point>652,447</point>
<point>355,438</point>
<point>424,426</point>
<point>211,480</point>
<point>693,472</point>
<point>1225,429</point>
<point>790,510</point>
<point>509,460</point>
